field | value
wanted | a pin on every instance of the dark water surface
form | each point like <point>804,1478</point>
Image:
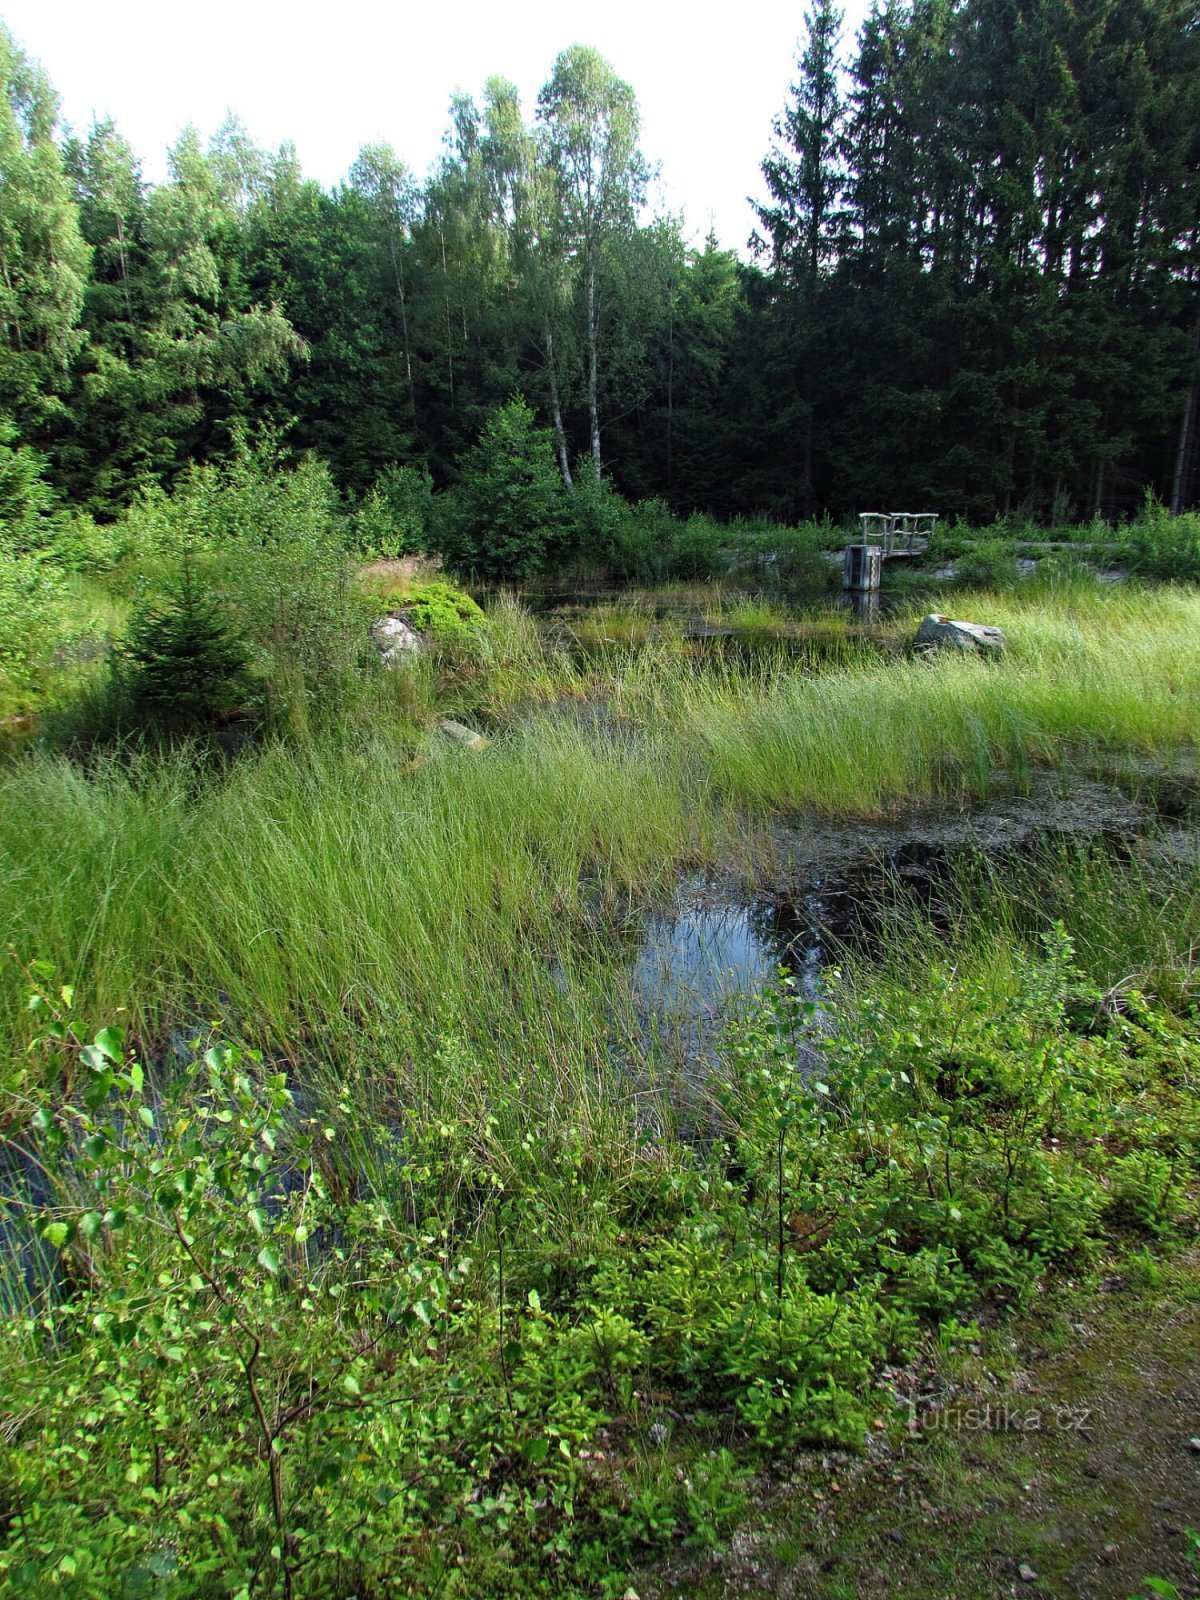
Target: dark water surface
<point>836,886</point>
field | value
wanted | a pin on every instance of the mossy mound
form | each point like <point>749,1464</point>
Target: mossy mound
<point>440,610</point>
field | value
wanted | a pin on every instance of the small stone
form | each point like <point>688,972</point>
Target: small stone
<point>1026,1573</point>
<point>896,1535</point>
<point>1194,1444</point>
<point>1109,1554</point>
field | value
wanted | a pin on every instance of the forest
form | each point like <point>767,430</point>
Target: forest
<point>973,286</point>
<point>551,1046</point>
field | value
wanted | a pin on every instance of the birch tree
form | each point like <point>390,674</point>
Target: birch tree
<point>589,122</point>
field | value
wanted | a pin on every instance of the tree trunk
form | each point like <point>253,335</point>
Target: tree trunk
<point>398,274</point>
<point>670,392</point>
<point>449,328</point>
<point>593,409</point>
<point>124,269</point>
<point>560,433</point>
<point>1185,450</point>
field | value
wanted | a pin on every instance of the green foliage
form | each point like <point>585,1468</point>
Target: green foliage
<point>35,616</point>
<point>26,499</point>
<point>396,515</point>
<point>447,614</point>
<point>308,1344</point>
<point>635,544</point>
<point>988,564</point>
<point>1160,545</point>
<point>186,665</point>
<point>508,512</point>
<point>967,1135</point>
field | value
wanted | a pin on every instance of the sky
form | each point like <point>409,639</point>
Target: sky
<point>331,78</point>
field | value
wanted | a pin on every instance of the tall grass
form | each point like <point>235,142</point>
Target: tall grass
<point>342,902</point>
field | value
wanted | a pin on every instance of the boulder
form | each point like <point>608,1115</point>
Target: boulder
<point>395,640</point>
<point>461,734</point>
<point>941,633</point>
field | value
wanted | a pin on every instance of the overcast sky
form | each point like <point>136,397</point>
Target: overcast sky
<point>333,77</point>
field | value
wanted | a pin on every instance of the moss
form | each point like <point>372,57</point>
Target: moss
<point>439,609</point>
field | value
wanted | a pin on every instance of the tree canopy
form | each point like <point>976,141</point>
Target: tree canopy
<point>975,283</point>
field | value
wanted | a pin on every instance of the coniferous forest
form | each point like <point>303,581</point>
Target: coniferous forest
<point>556,1042</point>
<point>974,284</point>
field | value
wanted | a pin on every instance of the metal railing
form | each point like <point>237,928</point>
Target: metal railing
<point>898,533</point>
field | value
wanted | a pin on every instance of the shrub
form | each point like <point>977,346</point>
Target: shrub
<point>34,615</point>
<point>990,564</point>
<point>599,523</point>
<point>509,509</point>
<point>26,499</point>
<point>1164,546</point>
<point>447,614</point>
<point>642,548</point>
<point>396,515</point>
<point>187,665</point>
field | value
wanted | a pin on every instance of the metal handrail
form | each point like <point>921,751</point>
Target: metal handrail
<point>897,526</point>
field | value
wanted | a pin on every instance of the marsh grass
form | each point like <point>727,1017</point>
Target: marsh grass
<point>372,891</point>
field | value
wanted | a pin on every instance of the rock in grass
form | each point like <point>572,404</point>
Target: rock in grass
<point>461,734</point>
<point>942,633</point>
<point>396,642</point>
<point>1026,1573</point>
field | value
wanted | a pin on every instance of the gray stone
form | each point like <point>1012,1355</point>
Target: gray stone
<point>461,734</point>
<point>395,640</point>
<point>942,633</point>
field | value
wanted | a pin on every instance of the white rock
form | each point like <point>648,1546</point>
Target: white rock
<point>941,633</point>
<point>461,734</point>
<point>395,640</point>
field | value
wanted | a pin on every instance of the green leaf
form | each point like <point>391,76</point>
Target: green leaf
<point>55,1233</point>
<point>146,1116</point>
<point>269,1260</point>
<point>350,1384</point>
<point>111,1043</point>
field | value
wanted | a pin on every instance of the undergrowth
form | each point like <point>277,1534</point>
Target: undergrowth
<point>266,1344</point>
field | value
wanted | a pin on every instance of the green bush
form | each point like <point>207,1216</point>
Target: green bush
<point>508,515</point>
<point>1160,545</point>
<point>279,1346</point>
<point>396,514</point>
<point>600,524</point>
<point>440,610</point>
<point>27,502</point>
<point>187,667</point>
<point>989,564</point>
<point>34,616</point>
